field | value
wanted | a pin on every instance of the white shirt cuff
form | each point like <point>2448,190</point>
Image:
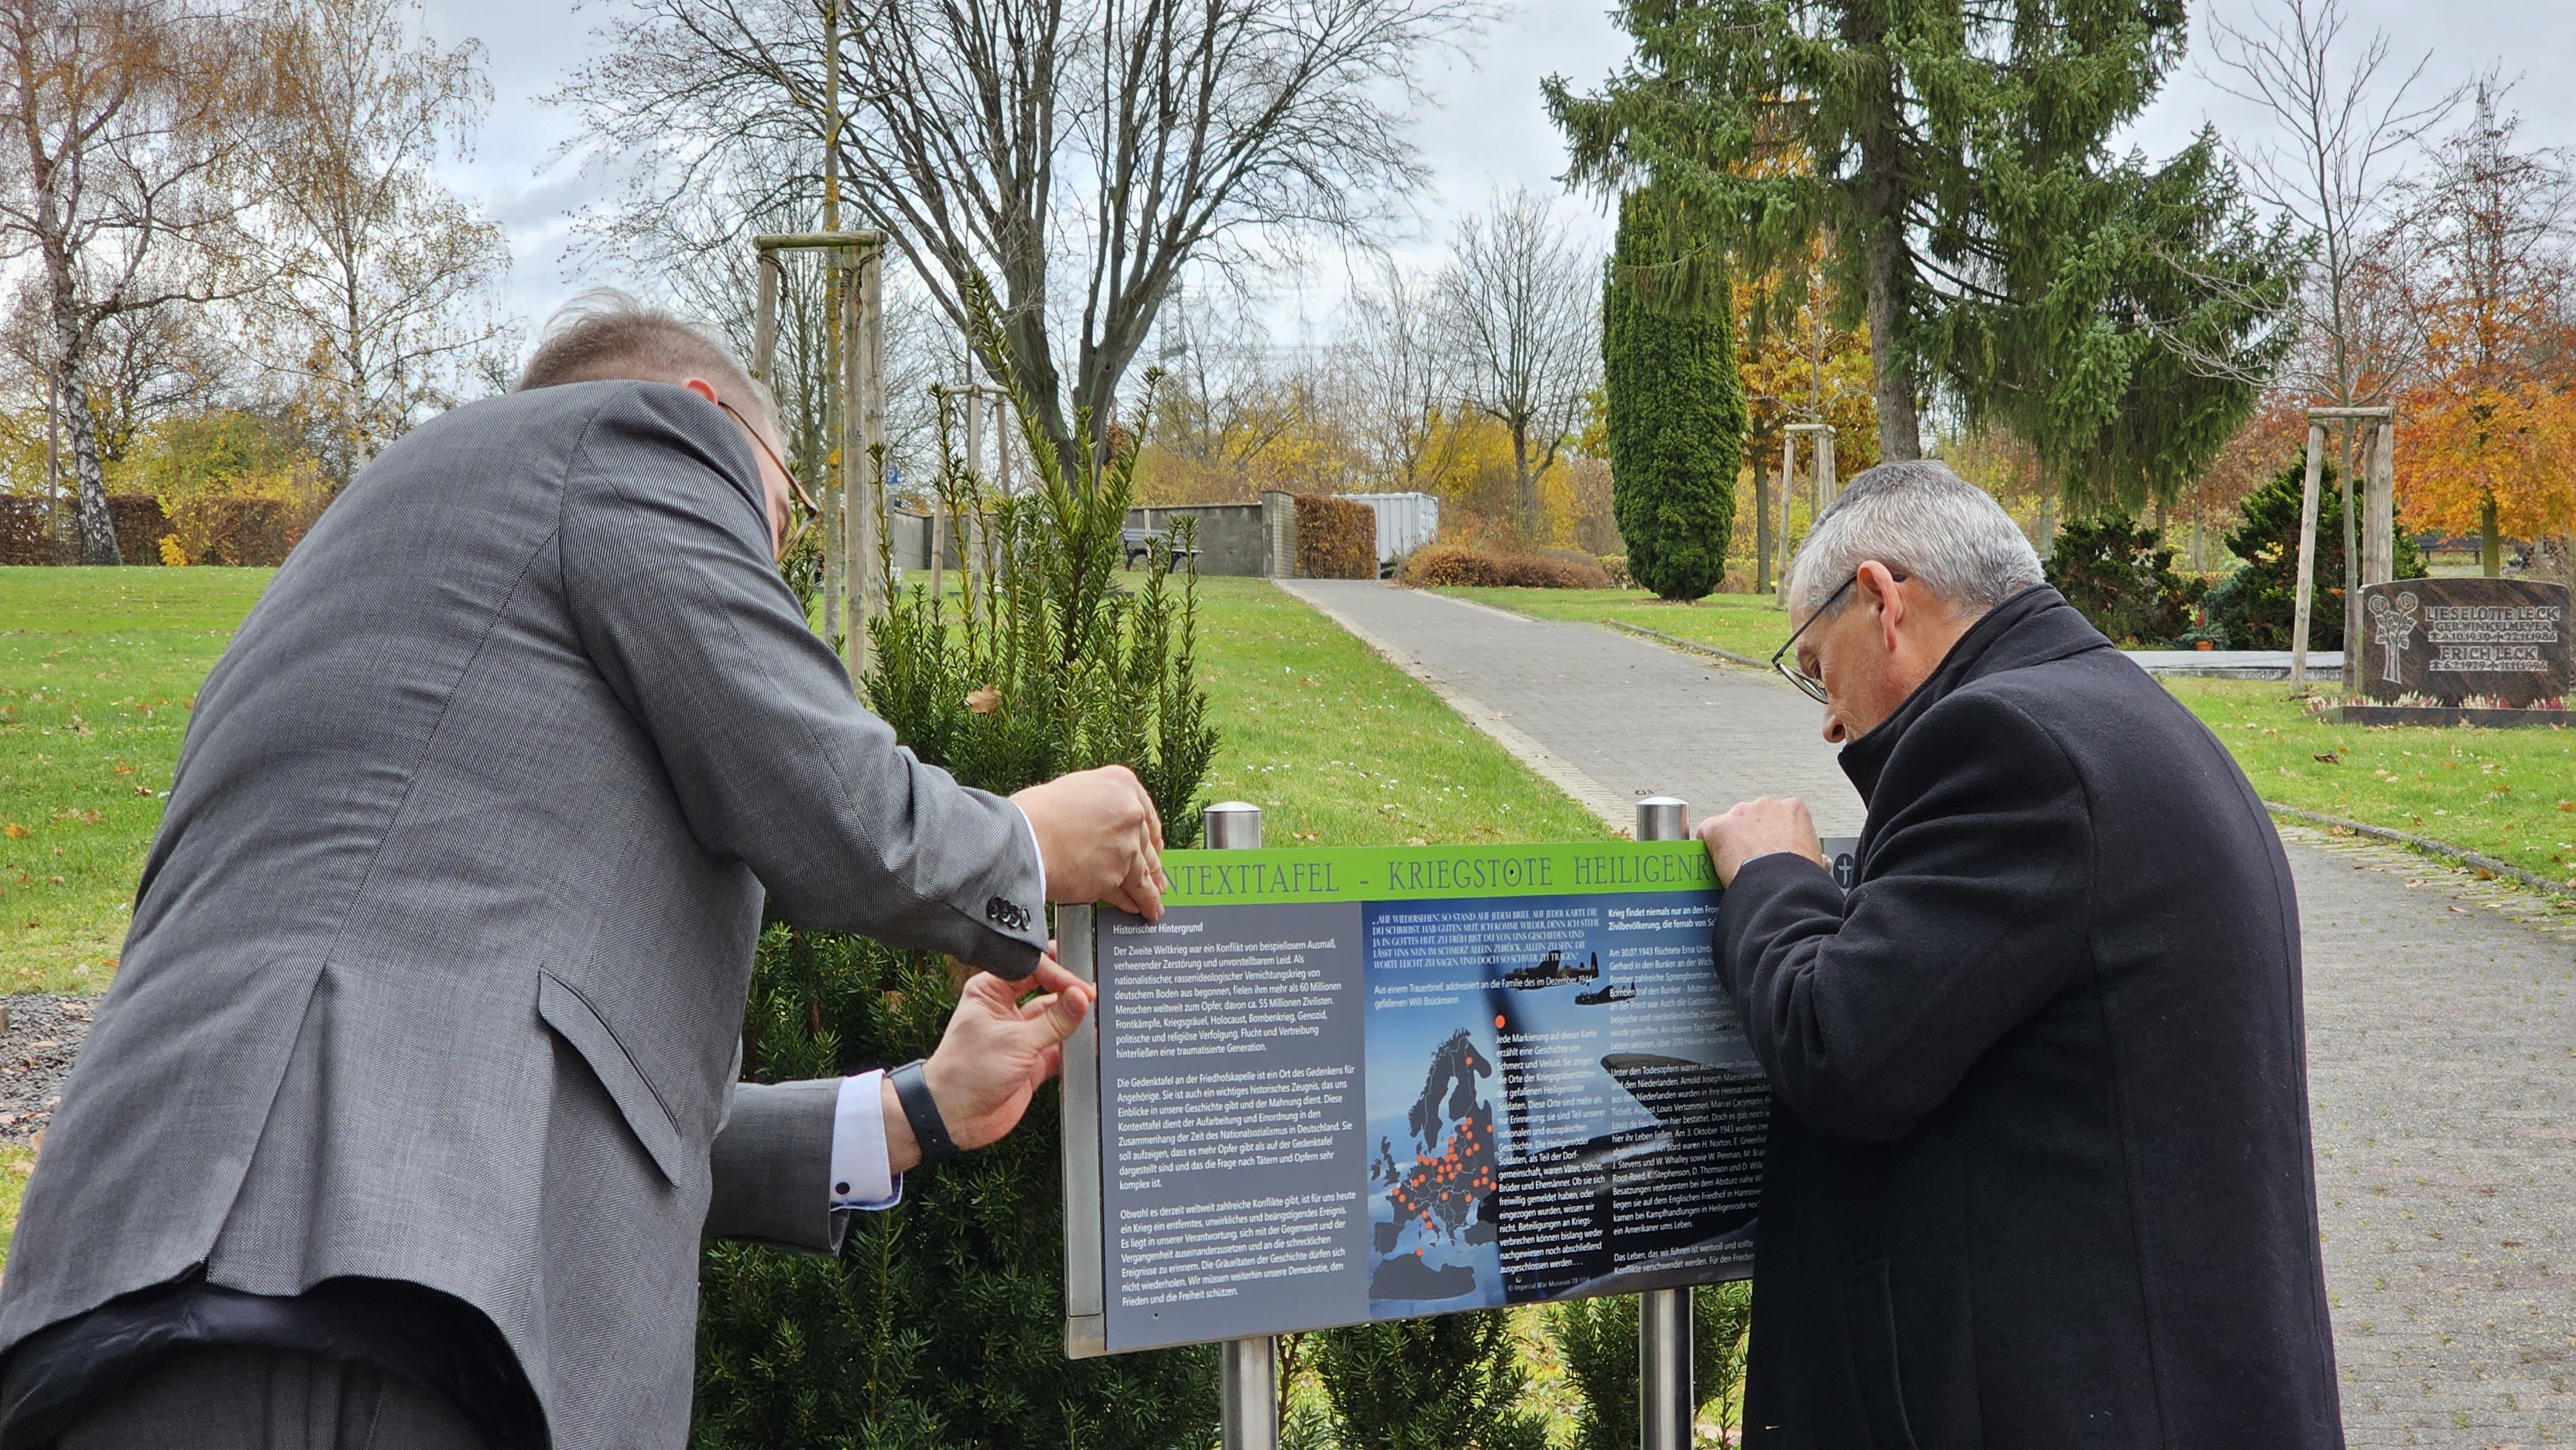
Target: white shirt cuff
<point>860,1177</point>
<point>1039,856</point>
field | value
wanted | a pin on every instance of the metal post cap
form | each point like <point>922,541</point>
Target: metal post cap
<point>1663,818</point>
<point>1231,826</point>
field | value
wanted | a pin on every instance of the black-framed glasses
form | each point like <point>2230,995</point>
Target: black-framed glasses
<point>1814,688</point>
<point>796,494</point>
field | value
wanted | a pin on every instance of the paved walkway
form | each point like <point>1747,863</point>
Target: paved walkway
<point>2441,1013</point>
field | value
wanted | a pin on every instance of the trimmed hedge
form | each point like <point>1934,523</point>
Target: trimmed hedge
<point>1454,564</point>
<point>26,531</point>
<point>238,532</point>
<point>1336,538</point>
<point>140,523</point>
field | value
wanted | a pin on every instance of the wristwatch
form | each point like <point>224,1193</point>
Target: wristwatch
<point>922,1111</point>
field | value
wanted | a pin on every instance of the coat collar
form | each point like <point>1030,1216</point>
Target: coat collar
<point>2032,627</point>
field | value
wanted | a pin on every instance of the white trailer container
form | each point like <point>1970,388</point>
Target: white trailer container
<point>1405,522</point>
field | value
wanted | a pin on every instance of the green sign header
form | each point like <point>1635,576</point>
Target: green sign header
<point>1412,873</point>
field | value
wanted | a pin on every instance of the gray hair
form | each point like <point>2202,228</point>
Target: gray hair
<point>1925,521</point>
<point>606,334</point>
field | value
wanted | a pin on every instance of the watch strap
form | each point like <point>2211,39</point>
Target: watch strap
<point>921,1110</point>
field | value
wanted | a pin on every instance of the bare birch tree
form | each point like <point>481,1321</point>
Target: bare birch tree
<point>382,284</point>
<point>1520,307</point>
<point>119,121</point>
<point>2346,116</point>
<point>1402,373</point>
<point>1018,139</point>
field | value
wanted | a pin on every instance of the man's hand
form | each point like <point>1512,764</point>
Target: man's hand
<point>995,1053</point>
<point>1759,828</point>
<point>1100,838</point>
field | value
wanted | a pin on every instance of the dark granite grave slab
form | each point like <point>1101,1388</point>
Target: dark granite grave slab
<point>2500,642</point>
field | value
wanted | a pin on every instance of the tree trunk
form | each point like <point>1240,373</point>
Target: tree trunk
<point>1528,484</point>
<point>1882,222</point>
<point>97,527</point>
<point>2490,539</point>
<point>2351,571</point>
<point>1900,437</point>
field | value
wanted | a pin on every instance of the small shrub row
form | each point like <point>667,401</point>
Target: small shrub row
<point>255,532</point>
<point>1336,538</point>
<point>1456,564</point>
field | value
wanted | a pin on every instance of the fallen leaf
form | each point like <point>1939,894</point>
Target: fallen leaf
<point>17,832</point>
<point>2329,758</point>
<point>984,701</point>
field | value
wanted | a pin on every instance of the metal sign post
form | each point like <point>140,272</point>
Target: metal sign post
<point>1665,1405</point>
<point>1247,1370</point>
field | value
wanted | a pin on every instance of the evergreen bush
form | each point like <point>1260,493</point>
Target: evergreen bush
<point>2121,577</point>
<point>1449,1382</point>
<point>941,1324</point>
<point>1597,1340</point>
<point>1675,413</point>
<point>2257,604</point>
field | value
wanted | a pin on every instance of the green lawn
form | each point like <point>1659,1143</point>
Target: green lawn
<point>2508,793</point>
<point>98,670</point>
<point>1340,748</point>
<point>1748,624</point>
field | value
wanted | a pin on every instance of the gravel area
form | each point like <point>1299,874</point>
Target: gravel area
<point>44,1032</point>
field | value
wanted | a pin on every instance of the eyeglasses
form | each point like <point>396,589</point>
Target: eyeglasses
<point>796,491</point>
<point>1814,688</point>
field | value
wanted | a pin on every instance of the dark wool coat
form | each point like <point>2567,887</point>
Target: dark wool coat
<point>2040,1171</point>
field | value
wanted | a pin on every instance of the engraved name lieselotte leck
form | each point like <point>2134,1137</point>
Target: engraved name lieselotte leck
<point>2472,638</point>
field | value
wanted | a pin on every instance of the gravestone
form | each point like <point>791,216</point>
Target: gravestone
<point>2465,651</point>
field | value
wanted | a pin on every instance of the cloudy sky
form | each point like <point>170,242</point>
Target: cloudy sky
<point>1487,130</point>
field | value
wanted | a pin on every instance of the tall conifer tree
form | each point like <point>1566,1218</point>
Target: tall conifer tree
<point>2116,315</point>
<point>1675,412</point>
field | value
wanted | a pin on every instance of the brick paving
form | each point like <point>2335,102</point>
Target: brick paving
<point>2441,1013</point>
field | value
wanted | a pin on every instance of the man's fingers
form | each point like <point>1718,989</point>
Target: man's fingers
<point>1051,976</point>
<point>1056,1015</point>
<point>1050,1063</point>
<point>1146,892</point>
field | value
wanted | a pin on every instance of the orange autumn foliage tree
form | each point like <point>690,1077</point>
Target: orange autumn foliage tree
<point>1799,365</point>
<point>2488,431</point>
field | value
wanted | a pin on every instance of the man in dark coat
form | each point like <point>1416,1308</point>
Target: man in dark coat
<point>2040,1172</point>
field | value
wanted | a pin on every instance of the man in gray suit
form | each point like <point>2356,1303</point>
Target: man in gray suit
<point>416,1089</point>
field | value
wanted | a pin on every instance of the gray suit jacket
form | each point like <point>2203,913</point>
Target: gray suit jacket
<point>438,963</point>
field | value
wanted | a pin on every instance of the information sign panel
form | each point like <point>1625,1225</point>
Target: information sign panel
<point>1332,1086</point>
